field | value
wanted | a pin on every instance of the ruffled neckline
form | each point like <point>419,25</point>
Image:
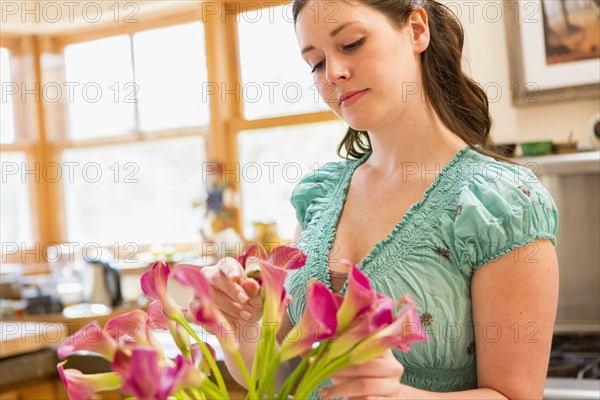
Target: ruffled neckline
<point>341,193</point>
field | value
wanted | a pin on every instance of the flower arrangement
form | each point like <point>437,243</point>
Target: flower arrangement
<point>334,332</point>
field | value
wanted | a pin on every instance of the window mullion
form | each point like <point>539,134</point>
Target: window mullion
<point>138,131</point>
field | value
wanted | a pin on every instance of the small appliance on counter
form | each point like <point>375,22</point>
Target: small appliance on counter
<point>40,294</point>
<point>102,282</point>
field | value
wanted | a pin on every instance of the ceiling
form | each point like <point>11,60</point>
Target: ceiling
<point>51,16</point>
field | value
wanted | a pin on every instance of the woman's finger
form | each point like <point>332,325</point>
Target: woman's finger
<point>226,277</point>
<point>232,269</point>
<point>251,287</point>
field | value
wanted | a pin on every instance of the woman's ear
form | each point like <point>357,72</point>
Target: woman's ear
<point>419,24</point>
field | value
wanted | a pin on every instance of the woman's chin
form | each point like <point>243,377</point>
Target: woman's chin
<point>357,125</point>
<point>354,121</point>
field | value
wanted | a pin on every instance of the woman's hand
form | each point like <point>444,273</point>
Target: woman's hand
<point>378,378</point>
<point>236,295</point>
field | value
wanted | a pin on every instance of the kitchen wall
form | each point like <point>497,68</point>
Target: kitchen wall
<point>487,59</point>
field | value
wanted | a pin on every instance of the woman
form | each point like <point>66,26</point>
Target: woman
<point>422,206</point>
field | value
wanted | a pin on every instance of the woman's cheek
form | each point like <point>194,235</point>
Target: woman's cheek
<point>328,93</point>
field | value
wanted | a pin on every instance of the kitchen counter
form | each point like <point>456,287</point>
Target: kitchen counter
<point>26,337</point>
<point>28,350</point>
<point>562,164</point>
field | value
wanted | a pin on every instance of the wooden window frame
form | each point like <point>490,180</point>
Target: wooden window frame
<point>226,118</point>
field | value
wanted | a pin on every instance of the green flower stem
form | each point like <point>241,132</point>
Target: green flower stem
<point>242,366</point>
<point>272,369</point>
<point>211,390</point>
<point>208,356</point>
<point>264,356</point>
<point>261,359</point>
<point>254,369</point>
<point>197,394</point>
<point>305,389</point>
<point>268,382</point>
<point>293,378</point>
<point>184,350</point>
<point>274,364</point>
<point>319,354</point>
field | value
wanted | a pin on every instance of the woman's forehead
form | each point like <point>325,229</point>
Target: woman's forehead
<point>323,17</point>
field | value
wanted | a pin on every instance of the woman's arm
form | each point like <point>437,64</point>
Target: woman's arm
<point>514,299</point>
<point>519,294</point>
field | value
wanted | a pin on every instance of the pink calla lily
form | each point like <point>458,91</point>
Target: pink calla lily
<point>400,333</point>
<point>82,387</point>
<point>91,338</point>
<point>132,329</point>
<point>157,319</point>
<point>185,374</point>
<point>202,306</point>
<point>318,322</point>
<point>148,379</point>
<point>129,327</point>
<point>253,250</point>
<point>121,363</point>
<point>198,359</point>
<point>359,298</point>
<point>379,316</point>
<point>154,285</point>
<point>287,257</point>
<point>274,293</point>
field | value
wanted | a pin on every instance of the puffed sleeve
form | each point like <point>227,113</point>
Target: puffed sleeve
<point>499,211</point>
<point>308,197</point>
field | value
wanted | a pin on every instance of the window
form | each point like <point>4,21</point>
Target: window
<point>15,206</point>
<point>269,55</point>
<point>272,162</point>
<point>15,210</point>
<point>7,120</point>
<point>171,72</point>
<point>157,77</point>
<point>103,99</point>
<point>140,192</point>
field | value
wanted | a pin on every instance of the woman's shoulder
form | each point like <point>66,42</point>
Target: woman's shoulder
<point>499,207</point>
<point>490,180</point>
<point>310,192</point>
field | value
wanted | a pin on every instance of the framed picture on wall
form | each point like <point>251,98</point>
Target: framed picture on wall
<point>554,48</point>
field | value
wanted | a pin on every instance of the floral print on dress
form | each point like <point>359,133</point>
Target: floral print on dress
<point>426,319</point>
<point>443,251</point>
<point>525,190</point>
<point>471,349</point>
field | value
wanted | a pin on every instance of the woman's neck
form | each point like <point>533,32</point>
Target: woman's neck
<point>419,138</point>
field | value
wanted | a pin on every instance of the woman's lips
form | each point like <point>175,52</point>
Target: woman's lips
<point>348,101</point>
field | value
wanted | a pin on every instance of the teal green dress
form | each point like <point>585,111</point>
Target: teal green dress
<point>477,210</point>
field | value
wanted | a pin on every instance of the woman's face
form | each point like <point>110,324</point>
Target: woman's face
<point>355,49</point>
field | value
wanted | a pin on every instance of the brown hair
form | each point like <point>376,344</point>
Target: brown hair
<point>458,100</point>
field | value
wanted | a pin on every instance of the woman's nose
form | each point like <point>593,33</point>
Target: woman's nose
<point>336,70</point>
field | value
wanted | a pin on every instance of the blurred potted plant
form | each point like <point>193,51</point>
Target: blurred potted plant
<point>219,202</point>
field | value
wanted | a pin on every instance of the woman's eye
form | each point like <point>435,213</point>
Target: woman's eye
<point>354,45</point>
<point>350,47</point>
<point>317,67</point>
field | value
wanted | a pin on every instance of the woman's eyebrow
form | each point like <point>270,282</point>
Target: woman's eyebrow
<point>331,34</point>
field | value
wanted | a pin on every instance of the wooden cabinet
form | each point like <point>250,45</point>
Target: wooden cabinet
<point>40,389</point>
